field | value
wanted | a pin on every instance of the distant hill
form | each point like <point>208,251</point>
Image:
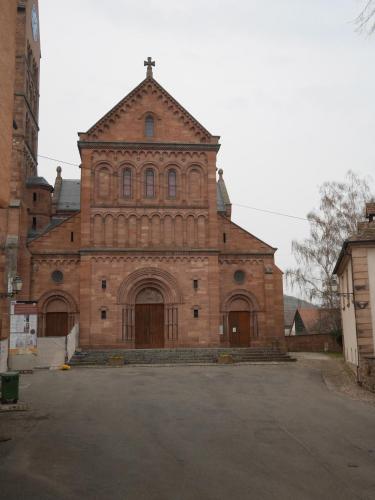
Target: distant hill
<point>291,304</point>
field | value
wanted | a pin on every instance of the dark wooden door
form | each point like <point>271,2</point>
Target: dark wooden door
<point>239,328</point>
<point>56,324</point>
<point>149,326</point>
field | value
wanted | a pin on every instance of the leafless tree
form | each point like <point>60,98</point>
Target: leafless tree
<point>341,208</point>
<point>366,19</point>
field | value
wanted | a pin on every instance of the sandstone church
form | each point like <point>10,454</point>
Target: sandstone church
<point>141,251</point>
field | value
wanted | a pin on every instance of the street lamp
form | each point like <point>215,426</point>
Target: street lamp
<point>15,287</point>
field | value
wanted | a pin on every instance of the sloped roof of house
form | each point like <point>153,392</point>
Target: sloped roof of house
<point>38,181</point>
<point>317,320</point>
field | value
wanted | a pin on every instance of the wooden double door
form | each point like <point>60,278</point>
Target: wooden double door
<point>149,326</point>
<point>239,328</point>
<point>56,324</point>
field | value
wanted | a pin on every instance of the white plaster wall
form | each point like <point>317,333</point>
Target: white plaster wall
<point>371,279</point>
<point>72,341</point>
<point>3,355</point>
<point>51,352</point>
<point>348,317</point>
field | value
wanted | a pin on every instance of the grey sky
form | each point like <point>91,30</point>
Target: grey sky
<point>287,84</point>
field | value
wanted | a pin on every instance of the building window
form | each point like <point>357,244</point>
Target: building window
<point>196,312</point>
<point>104,284</point>
<point>149,126</point>
<point>103,314</point>
<point>150,183</point>
<point>224,237</point>
<point>57,276</point>
<point>195,284</point>
<point>239,277</point>
<point>34,224</point>
<point>34,197</point>
<point>172,184</point>
<point>71,236</point>
<point>127,183</point>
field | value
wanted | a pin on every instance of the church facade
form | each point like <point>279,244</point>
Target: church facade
<point>142,251</point>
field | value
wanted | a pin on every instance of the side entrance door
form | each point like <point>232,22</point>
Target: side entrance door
<point>239,328</point>
<point>149,326</point>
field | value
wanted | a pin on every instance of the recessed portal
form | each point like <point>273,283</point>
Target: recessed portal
<point>149,319</point>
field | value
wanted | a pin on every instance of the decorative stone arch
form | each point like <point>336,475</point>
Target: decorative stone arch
<point>240,301</point>
<point>243,295</point>
<point>196,186</point>
<point>124,167</point>
<point>55,301</point>
<point>166,285</point>
<point>103,188</point>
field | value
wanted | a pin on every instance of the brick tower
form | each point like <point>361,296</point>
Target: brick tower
<point>20,61</point>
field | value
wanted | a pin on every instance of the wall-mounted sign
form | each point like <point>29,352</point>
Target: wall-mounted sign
<point>23,327</point>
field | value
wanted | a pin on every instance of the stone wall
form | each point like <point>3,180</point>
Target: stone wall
<point>367,372</point>
<point>322,342</point>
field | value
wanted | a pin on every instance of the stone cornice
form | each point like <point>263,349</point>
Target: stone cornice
<point>144,251</point>
<point>157,146</point>
<point>240,255</point>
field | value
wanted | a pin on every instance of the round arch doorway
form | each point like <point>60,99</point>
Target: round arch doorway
<point>149,319</point>
<point>239,322</point>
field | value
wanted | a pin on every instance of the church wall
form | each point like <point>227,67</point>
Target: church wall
<point>237,239</point>
<point>262,283</point>
<point>201,331</point>
<point>66,237</point>
<point>43,287</point>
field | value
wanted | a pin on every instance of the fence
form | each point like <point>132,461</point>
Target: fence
<point>55,351</point>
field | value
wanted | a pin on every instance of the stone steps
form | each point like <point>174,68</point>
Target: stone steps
<point>178,356</point>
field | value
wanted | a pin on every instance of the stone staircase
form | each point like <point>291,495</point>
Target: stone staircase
<point>177,356</point>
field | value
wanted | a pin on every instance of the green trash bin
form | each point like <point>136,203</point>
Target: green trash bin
<point>9,387</point>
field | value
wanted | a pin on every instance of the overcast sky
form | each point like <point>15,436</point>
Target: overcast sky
<point>287,84</point>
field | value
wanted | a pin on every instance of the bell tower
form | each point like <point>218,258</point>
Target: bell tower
<point>26,97</point>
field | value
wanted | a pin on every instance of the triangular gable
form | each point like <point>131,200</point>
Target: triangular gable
<point>242,239</point>
<point>57,237</point>
<point>165,106</point>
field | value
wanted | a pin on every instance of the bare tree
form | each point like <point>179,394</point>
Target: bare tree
<point>341,208</point>
<point>366,19</point>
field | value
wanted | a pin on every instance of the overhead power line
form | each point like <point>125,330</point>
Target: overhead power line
<point>265,211</point>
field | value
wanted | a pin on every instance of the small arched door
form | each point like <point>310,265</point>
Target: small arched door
<point>57,318</point>
<point>149,319</point>
<point>239,323</point>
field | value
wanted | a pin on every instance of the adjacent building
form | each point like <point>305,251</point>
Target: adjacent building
<point>355,269</point>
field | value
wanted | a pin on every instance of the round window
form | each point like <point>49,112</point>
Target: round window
<point>57,276</point>
<point>239,276</point>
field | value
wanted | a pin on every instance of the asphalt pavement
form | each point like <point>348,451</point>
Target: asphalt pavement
<point>188,432</point>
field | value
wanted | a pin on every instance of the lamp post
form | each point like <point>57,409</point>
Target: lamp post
<point>14,288</point>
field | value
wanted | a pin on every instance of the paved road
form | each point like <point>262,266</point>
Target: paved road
<point>205,432</point>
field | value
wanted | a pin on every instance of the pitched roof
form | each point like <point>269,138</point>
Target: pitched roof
<point>129,98</point>
<point>365,235</point>
<point>319,320</point>
<point>291,304</point>
<point>70,195</point>
<point>38,181</point>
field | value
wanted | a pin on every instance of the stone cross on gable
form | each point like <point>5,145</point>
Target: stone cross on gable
<point>149,63</point>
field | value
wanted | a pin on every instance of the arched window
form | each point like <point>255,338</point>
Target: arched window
<point>172,184</point>
<point>150,183</point>
<point>127,183</point>
<point>149,126</point>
